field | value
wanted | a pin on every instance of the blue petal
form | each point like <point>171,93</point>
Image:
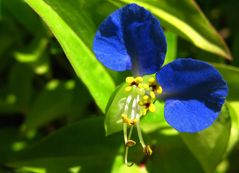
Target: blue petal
<point>194,92</point>
<point>131,39</point>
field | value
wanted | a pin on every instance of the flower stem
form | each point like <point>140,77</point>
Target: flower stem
<point>129,164</point>
<point>141,140</point>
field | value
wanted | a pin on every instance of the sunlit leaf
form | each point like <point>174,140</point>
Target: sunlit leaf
<point>62,17</point>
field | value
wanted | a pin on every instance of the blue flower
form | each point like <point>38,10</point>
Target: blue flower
<point>131,38</point>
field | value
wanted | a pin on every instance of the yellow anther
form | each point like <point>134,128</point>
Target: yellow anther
<point>129,80</point>
<point>146,86</point>
<point>159,90</point>
<point>128,121</point>
<point>130,143</point>
<point>133,122</point>
<point>145,97</point>
<point>140,85</point>
<point>128,88</point>
<point>152,107</point>
<point>141,91</point>
<point>125,118</point>
<point>141,103</point>
<point>151,80</point>
<point>152,95</point>
<point>147,150</point>
<point>139,79</point>
<point>143,111</point>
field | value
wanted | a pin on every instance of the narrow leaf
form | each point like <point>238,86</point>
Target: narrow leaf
<point>88,69</point>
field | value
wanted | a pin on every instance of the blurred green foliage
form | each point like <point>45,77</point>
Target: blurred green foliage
<point>53,91</point>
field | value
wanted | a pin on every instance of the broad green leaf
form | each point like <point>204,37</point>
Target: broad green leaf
<point>81,146</point>
<point>63,17</point>
<point>54,101</point>
<point>231,75</point>
<point>209,146</point>
<point>186,19</point>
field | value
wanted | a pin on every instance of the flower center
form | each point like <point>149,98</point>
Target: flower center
<point>141,98</point>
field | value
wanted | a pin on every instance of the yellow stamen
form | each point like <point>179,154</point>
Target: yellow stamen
<point>147,150</point>
<point>140,85</point>
<point>143,111</point>
<point>152,108</point>
<point>152,95</point>
<point>129,80</point>
<point>151,80</point>
<point>128,88</point>
<point>159,90</point>
<point>139,79</point>
<point>145,97</point>
<point>140,103</point>
<point>133,122</point>
<point>130,143</point>
<point>146,86</point>
<point>130,122</point>
<point>125,118</point>
<point>141,91</point>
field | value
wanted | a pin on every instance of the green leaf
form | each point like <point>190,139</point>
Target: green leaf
<point>81,146</point>
<point>54,101</point>
<point>24,15</point>
<point>32,52</point>
<point>186,19</point>
<point>170,155</point>
<point>154,120</point>
<point>20,86</point>
<point>120,167</point>
<point>9,35</point>
<point>72,28</point>
<point>114,110</point>
<point>233,108</point>
<point>209,146</point>
<point>231,75</point>
<point>171,53</point>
